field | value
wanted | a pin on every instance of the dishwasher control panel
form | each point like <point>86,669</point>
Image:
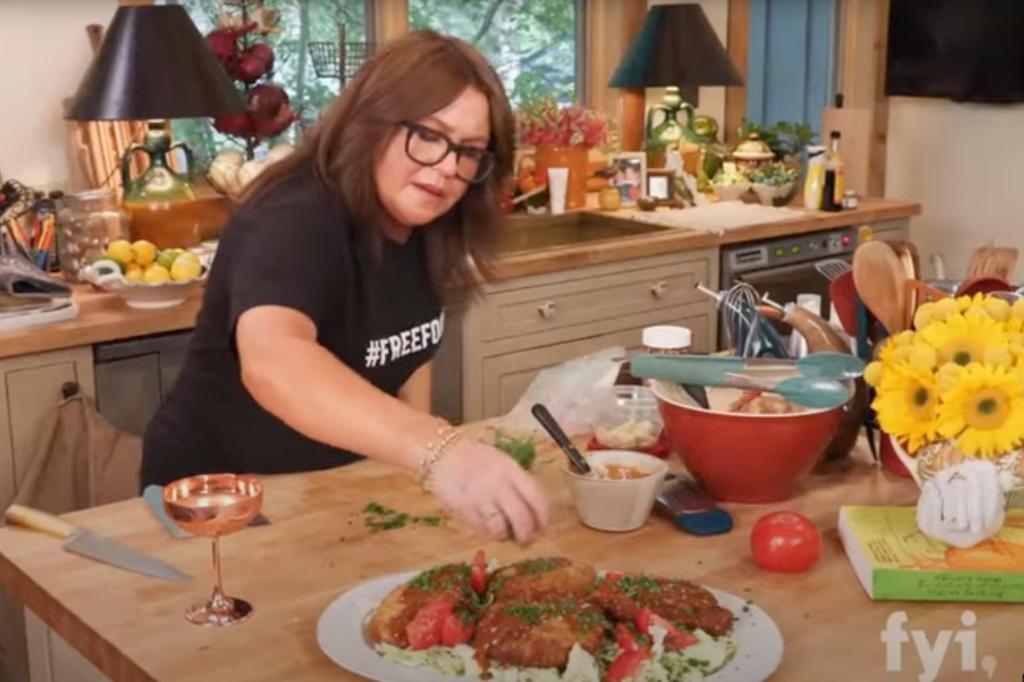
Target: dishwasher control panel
<point>775,252</point>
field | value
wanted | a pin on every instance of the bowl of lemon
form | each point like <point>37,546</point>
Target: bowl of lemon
<point>147,277</point>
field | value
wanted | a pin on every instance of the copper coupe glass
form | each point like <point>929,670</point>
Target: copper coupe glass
<point>212,505</point>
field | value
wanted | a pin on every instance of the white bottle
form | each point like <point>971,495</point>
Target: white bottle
<point>815,183</point>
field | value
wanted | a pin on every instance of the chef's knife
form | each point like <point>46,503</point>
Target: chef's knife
<point>88,544</point>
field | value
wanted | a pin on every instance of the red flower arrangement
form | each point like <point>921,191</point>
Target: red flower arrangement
<point>544,121</point>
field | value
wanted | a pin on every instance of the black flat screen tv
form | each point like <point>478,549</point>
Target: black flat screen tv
<point>964,50</point>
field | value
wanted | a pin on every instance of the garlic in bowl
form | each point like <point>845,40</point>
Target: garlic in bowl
<point>627,418</point>
<point>620,493</point>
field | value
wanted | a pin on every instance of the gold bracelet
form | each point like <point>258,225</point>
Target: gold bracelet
<point>447,435</point>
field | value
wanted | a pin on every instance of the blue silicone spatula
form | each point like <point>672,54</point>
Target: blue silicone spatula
<point>691,508</point>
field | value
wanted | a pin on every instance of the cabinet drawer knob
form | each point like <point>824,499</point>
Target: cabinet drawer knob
<point>547,310</point>
<point>660,289</point>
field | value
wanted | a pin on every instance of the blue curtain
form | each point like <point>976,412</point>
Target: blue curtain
<point>792,50</point>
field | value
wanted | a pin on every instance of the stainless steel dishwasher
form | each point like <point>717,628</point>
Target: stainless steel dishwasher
<point>133,377</point>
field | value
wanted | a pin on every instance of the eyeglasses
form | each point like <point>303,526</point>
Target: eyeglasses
<point>429,147</point>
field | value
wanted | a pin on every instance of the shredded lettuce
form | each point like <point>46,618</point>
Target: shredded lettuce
<point>582,667</point>
<point>706,657</point>
<point>451,661</point>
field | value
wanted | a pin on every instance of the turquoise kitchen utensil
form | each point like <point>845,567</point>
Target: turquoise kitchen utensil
<point>827,365</point>
<point>813,392</point>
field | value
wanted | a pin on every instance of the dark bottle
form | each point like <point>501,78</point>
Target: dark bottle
<point>833,189</point>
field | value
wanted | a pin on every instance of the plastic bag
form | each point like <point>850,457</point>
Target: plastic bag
<point>568,391</point>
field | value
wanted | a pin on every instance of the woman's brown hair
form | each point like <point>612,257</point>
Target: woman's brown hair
<point>408,79</point>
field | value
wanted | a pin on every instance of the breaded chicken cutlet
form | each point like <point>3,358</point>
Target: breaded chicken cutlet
<point>543,579</point>
<point>537,634</point>
<point>399,608</point>
<point>679,601</point>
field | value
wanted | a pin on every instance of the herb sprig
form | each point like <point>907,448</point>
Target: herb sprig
<point>522,450</point>
<point>380,518</point>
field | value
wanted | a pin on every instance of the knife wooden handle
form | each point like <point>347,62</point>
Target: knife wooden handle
<point>33,519</point>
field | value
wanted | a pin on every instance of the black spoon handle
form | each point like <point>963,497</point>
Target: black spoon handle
<point>542,415</point>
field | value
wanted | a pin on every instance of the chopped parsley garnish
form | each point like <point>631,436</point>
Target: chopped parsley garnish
<point>631,585</point>
<point>531,613</point>
<point>425,580</point>
<point>378,518</point>
<point>535,566</point>
<point>523,450</point>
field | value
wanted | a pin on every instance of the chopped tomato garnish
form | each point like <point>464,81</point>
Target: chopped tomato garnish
<point>627,665</point>
<point>614,577</point>
<point>625,639</point>
<point>425,629</point>
<point>455,632</point>
<point>478,574</point>
<point>675,640</point>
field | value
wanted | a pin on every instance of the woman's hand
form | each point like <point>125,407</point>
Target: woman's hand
<point>490,490</point>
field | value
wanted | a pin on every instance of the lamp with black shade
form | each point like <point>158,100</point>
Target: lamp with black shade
<point>677,49</point>
<point>154,65</point>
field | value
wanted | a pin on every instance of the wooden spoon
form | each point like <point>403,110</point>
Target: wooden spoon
<point>879,277</point>
<point>992,260</point>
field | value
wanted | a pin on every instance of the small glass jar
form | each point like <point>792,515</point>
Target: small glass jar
<point>87,223</point>
<point>667,340</point>
<point>851,199</point>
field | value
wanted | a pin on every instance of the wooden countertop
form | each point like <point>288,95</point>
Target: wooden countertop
<point>101,317</point>
<point>871,210</point>
<point>317,547</point>
<point>104,317</point>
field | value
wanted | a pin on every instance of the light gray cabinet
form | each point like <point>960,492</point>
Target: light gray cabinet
<point>523,325</point>
<point>134,376</point>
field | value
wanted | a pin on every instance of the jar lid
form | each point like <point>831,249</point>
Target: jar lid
<point>753,149</point>
<point>667,337</point>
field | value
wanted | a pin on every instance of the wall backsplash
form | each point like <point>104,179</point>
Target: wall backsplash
<point>962,162</point>
<point>46,48</point>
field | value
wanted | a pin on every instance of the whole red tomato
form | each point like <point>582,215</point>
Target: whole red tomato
<point>785,541</point>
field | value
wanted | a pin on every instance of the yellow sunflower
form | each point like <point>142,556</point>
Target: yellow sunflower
<point>966,302</point>
<point>907,405</point>
<point>984,410</point>
<point>964,339</point>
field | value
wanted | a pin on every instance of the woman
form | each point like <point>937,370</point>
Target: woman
<point>322,311</point>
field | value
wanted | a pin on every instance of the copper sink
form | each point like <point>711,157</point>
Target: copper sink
<point>523,234</point>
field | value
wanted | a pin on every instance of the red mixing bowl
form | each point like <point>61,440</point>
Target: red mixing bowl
<point>752,458</point>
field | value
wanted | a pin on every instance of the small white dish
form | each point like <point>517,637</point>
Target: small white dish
<point>731,192</point>
<point>767,194</point>
<point>616,505</point>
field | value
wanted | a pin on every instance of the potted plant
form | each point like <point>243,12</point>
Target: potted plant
<point>561,135</point>
<point>787,142</point>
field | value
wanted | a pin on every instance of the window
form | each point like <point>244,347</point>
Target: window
<point>301,23</point>
<point>532,44</point>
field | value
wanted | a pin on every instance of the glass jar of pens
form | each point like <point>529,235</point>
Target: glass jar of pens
<point>88,222</point>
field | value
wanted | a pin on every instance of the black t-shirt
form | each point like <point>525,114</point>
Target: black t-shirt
<point>375,310</point>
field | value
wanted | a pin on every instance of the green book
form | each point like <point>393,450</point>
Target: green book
<point>896,561</point>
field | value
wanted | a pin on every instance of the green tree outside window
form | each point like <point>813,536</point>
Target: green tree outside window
<point>530,43</point>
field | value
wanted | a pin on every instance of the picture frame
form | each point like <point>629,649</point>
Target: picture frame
<point>660,186</point>
<point>628,175</point>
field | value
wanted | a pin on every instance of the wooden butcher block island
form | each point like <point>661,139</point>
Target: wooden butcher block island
<point>318,545</point>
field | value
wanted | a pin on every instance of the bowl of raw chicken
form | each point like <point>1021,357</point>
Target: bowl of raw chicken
<point>747,446</point>
<point>628,418</point>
